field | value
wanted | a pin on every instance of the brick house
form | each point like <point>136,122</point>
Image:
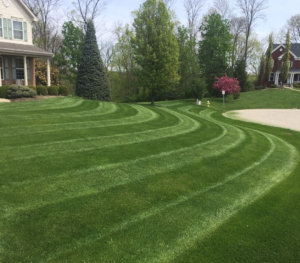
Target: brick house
<point>294,73</point>
<point>17,52</point>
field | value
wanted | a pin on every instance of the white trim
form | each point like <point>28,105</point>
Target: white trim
<point>277,48</point>
<point>281,45</point>
<point>20,68</point>
<point>28,10</point>
<point>13,30</point>
<point>271,75</point>
<point>2,27</point>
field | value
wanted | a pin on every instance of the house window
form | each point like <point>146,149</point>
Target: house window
<point>18,30</point>
<point>1,28</point>
<point>272,76</point>
<point>19,68</point>
<point>1,66</point>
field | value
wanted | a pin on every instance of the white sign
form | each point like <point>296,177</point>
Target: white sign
<point>223,92</point>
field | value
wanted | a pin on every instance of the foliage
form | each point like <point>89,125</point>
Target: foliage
<point>268,60</point>
<point>241,74</point>
<point>214,48</point>
<point>41,73</point>
<point>123,79</point>
<point>188,62</point>
<point>273,86</point>
<point>261,70</point>
<point>69,56</point>
<point>3,91</point>
<point>92,82</point>
<point>32,87</point>
<point>229,85</point>
<point>52,90</point>
<point>19,91</point>
<point>63,90</point>
<point>155,48</point>
<point>198,88</point>
<point>42,90</point>
<point>285,66</point>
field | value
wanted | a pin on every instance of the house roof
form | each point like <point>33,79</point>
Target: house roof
<point>295,48</point>
<point>28,10</point>
<point>23,50</point>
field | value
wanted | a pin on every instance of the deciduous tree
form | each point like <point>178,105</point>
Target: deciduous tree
<point>229,85</point>
<point>155,47</point>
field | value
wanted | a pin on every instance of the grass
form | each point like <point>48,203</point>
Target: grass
<point>83,181</point>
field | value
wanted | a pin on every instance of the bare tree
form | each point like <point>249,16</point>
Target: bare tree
<point>294,26</point>
<point>107,52</point>
<point>169,3</point>
<point>223,7</point>
<point>90,9</point>
<point>193,8</point>
<point>252,11</point>
<point>45,28</point>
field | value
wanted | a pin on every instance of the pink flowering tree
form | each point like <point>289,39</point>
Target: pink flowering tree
<point>230,85</point>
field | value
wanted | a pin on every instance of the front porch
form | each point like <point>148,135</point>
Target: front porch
<point>293,77</point>
<point>17,64</point>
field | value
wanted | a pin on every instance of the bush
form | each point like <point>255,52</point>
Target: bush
<point>273,86</point>
<point>3,91</point>
<point>263,87</point>
<point>52,90</point>
<point>63,90</point>
<point>15,91</point>
<point>42,90</point>
<point>32,87</point>
<point>258,87</point>
<point>236,95</point>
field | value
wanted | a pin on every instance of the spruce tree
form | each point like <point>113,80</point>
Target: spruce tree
<point>92,82</point>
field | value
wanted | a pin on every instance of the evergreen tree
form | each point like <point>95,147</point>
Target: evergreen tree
<point>214,48</point>
<point>241,74</point>
<point>285,66</point>
<point>261,70</point>
<point>155,48</point>
<point>268,60</point>
<point>92,82</point>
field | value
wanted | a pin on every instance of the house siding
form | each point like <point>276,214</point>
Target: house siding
<point>16,11</point>
<point>11,81</point>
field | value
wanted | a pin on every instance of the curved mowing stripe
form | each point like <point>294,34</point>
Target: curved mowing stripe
<point>185,125</point>
<point>209,223</point>
<point>158,209</point>
<point>143,115</point>
<point>117,173</point>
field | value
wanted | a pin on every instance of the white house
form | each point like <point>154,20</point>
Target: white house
<point>17,52</point>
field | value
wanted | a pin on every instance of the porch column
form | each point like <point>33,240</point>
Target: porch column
<point>276,78</point>
<point>25,71</point>
<point>48,73</point>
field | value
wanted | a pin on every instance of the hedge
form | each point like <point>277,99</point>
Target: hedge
<point>3,91</point>
<point>42,90</point>
<point>63,90</point>
<point>52,90</point>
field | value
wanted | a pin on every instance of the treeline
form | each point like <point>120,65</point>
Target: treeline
<point>157,58</point>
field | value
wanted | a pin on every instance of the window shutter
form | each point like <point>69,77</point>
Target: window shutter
<point>28,68</point>
<point>6,68</point>
<point>13,65</point>
<point>9,26</point>
<point>25,31</point>
<point>5,28</point>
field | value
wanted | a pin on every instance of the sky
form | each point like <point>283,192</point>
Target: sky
<point>277,14</point>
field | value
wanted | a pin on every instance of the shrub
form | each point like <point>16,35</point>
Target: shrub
<point>52,90</point>
<point>3,91</point>
<point>258,87</point>
<point>32,87</point>
<point>63,90</point>
<point>273,86</point>
<point>15,91</point>
<point>42,90</point>
<point>263,87</point>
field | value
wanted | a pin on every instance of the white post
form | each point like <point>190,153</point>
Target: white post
<point>0,77</point>
<point>48,73</point>
<point>277,78</point>
<point>25,71</point>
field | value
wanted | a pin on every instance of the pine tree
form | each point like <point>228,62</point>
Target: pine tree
<point>261,70</point>
<point>285,66</point>
<point>92,82</point>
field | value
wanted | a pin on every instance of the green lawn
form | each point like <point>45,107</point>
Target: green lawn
<point>84,181</point>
